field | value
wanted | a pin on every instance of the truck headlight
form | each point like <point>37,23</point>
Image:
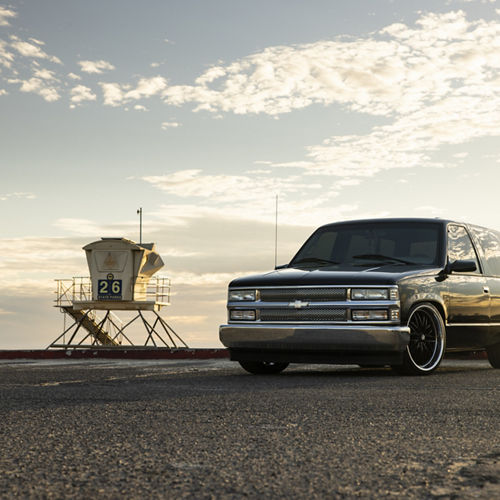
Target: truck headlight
<point>241,295</point>
<point>242,314</point>
<point>370,315</point>
<point>369,294</point>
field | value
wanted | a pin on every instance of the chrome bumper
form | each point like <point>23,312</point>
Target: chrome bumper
<point>356,338</point>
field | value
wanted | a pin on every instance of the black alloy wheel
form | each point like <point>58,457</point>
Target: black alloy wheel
<point>263,367</point>
<point>427,341</point>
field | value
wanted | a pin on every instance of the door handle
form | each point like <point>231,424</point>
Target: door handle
<point>486,289</point>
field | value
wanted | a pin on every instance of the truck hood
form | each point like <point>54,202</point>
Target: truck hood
<point>374,275</point>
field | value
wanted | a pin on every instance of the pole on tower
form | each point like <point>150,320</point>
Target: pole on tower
<point>139,211</point>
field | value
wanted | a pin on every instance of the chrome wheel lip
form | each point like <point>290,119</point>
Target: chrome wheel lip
<point>434,358</point>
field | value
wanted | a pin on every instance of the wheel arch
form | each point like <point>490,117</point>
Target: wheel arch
<point>436,302</point>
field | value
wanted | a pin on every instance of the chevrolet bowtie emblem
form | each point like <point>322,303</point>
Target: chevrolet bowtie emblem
<point>298,304</point>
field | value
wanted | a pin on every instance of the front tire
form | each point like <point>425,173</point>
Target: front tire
<point>263,367</point>
<point>494,355</point>
<point>427,341</point>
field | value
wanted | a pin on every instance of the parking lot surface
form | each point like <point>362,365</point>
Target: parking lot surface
<point>207,429</point>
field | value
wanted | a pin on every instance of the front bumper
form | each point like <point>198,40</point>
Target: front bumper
<point>320,343</point>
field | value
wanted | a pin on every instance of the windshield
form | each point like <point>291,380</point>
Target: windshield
<point>372,244</point>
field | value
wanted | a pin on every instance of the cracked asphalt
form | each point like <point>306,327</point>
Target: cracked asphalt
<point>208,430</point>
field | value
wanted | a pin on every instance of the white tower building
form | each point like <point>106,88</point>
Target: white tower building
<point>121,279</point>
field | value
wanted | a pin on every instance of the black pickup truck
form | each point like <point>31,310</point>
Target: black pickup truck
<point>377,292</point>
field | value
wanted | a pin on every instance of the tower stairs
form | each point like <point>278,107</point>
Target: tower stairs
<point>88,321</point>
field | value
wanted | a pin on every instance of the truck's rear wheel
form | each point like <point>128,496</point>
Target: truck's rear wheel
<point>263,367</point>
<point>494,355</point>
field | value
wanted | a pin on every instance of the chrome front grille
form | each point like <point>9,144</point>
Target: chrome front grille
<point>302,304</point>
<point>307,294</point>
<point>316,314</point>
<point>307,304</point>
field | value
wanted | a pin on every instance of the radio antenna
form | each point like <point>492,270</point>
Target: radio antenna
<point>139,211</point>
<point>276,235</point>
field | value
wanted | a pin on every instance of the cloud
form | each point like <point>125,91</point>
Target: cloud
<point>113,95</point>
<point>435,83</point>
<point>5,15</point>
<point>73,76</point>
<point>304,200</point>
<point>17,195</point>
<point>167,125</point>
<point>38,86</point>
<point>226,188</point>
<point>316,209</point>
<point>95,66</point>
<point>31,50</point>
<point>391,72</point>
<point>44,74</point>
<point>43,81</point>
<point>81,93</point>
<point>214,73</point>
<point>28,266</point>
<point>6,57</point>
<point>410,140</point>
<point>116,94</point>
<point>147,87</point>
<point>27,249</point>
<point>438,84</point>
<point>3,92</point>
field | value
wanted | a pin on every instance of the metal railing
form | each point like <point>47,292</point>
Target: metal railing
<point>79,289</point>
<point>159,290</point>
<point>69,290</point>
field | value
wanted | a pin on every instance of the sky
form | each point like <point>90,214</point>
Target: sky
<point>203,112</point>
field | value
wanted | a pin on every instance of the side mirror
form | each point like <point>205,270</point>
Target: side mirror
<point>462,266</point>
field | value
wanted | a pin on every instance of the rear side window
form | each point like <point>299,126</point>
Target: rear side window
<point>489,241</point>
<point>460,246</point>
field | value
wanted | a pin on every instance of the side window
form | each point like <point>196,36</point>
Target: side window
<point>460,246</point>
<point>490,245</point>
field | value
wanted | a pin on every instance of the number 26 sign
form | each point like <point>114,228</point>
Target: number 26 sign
<point>109,289</point>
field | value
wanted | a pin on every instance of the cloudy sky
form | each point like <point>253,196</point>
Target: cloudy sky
<point>202,112</point>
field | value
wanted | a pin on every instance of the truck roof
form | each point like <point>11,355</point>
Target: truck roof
<point>409,220</point>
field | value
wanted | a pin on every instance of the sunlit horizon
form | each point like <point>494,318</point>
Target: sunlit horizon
<point>203,113</point>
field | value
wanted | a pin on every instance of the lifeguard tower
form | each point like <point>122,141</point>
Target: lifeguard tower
<point>121,279</point>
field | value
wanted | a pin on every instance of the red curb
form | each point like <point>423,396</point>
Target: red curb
<point>159,353</point>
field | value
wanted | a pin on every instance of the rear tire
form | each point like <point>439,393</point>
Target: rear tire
<point>494,355</point>
<point>427,341</point>
<point>263,367</point>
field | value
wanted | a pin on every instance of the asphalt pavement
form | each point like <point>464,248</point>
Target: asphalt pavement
<point>208,430</point>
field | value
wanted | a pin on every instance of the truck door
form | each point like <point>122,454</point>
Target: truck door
<point>468,298</point>
<point>489,252</point>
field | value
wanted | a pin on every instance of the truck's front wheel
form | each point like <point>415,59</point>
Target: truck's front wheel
<point>263,367</point>
<point>427,341</point>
